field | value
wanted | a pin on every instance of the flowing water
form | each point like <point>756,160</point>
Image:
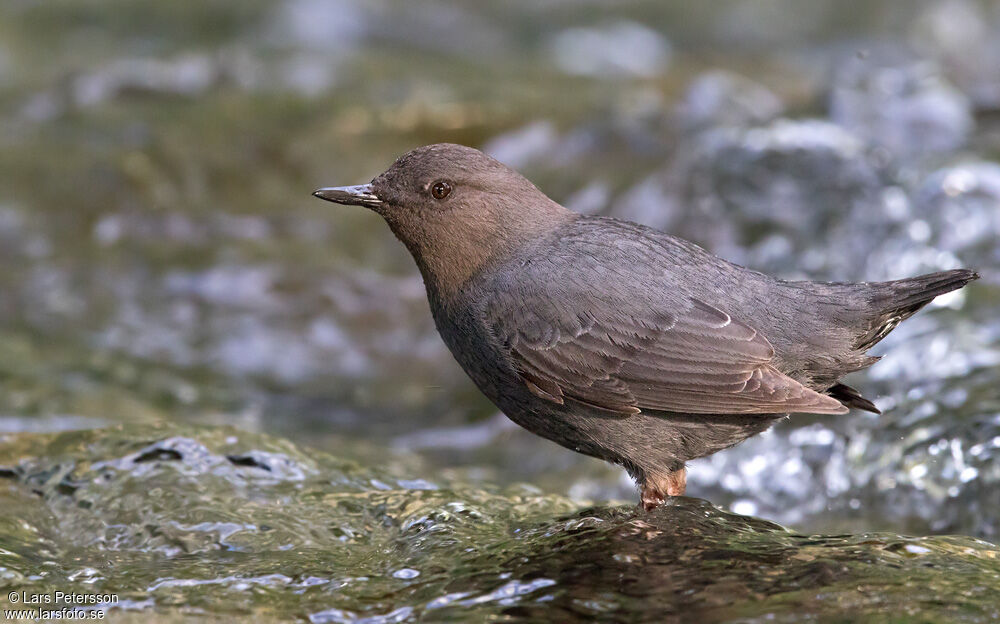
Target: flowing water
<point>220,397</point>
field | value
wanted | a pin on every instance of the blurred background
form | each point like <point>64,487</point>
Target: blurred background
<point>162,261</point>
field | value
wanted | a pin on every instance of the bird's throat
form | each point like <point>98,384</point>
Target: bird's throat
<point>451,252</point>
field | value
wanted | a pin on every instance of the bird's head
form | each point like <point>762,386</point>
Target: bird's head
<point>455,208</point>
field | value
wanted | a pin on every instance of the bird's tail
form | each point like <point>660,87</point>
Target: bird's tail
<point>898,300</point>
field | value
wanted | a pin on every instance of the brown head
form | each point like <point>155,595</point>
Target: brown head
<point>456,210</point>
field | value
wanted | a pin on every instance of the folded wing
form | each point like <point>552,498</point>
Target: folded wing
<point>693,359</point>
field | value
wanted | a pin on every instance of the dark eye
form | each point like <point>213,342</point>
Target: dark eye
<point>440,189</point>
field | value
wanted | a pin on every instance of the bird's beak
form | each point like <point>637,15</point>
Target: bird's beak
<point>360,195</point>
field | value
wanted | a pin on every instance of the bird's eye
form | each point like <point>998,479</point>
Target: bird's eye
<point>440,189</point>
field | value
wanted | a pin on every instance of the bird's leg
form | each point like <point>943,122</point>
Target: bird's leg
<point>656,487</point>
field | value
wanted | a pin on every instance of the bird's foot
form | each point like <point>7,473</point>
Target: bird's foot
<point>657,487</point>
<point>650,499</point>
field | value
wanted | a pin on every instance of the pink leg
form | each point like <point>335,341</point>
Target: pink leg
<point>657,487</point>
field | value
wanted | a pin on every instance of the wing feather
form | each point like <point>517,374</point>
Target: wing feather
<point>696,359</point>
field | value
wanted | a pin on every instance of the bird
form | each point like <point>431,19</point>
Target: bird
<point>617,340</point>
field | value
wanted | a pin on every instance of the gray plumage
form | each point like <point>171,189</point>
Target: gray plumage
<point>617,340</point>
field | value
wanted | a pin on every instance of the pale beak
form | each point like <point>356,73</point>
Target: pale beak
<point>360,195</point>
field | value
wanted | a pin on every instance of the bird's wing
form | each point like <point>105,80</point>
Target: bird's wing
<point>694,358</point>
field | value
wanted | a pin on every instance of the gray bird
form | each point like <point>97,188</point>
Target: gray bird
<point>616,340</point>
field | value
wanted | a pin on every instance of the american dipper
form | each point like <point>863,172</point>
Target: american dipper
<point>616,340</point>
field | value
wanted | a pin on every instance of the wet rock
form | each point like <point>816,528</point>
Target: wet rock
<point>905,106</point>
<point>452,28</point>
<point>960,206</point>
<point>186,75</point>
<point>238,286</point>
<point>591,199</point>
<point>960,35</point>
<point>259,321</point>
<point>521,147</point>
<point>539,146</point>
<point>22,236</point>
<point>331,26</point>
<point>721,98</point>
<point>618,49</point>
<point>910,467</point>
<point>791,179</point>
<point>165,518</point>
